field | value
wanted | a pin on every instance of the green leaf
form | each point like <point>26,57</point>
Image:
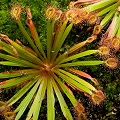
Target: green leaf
<point>60,34</point>
<point>50,102</point>
<point>16,73</point>
<point>11,64</point>
<point>82,54</point>
<point>76,47</point>
<point>50,27</point>
<point>36,39</point>
<point>74,83</point>
<point>81,81</point>
<point>10,75</point>
<point>23,105</point>
<point>15,81</point>
<point>18,61</point>
<point>118,33</point>
<point>5,45</point>
<point>22,91</point>
<point>60,43</point>
<point>81,63</point>
<point>36,101</point>
<point>57,32</point>
<point>116,19</point>
<point>26,54</point>
<point>24,32</point>
<point>66,91</point>
<point>107,18</point>
<point>101,4</point>
<point>63,105</point>
<point>114,6</point>
<point>39,98</point>
<point>6,48</point>
<point>60,58</point>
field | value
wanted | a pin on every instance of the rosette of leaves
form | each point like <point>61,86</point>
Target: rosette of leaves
<point>46,73</point>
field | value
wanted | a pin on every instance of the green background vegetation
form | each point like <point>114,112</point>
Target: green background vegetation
<point>108,79</point>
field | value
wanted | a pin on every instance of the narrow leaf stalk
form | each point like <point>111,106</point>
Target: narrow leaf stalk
<point>74,83</point>
<point>80,63</point>
<point>60,43</point>
<point>28,38</point>
<point>50,27</point>
<point>22,91</point>
<point>63,105</point>
<point>23,105</point>
<point>36,38</point>
<point>107,18</point>
<point>66,91</point>
<point>50,102</point>
<point>112,7</point>
<point>100,4</point>
<point>40,95</point>
<point>82,54</point>
<point>81,81</point>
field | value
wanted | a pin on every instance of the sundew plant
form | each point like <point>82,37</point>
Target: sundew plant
<point>47,72</point>
<point>105,15</point>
